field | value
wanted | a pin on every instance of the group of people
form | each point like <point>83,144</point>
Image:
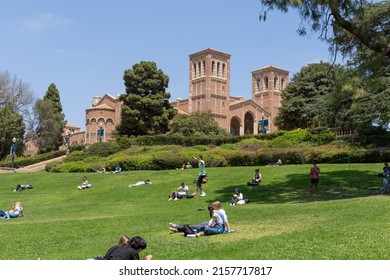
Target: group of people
<point>218,223</point>
<point>16,211</point>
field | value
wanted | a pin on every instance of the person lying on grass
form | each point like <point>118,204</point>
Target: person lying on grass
<point>140,183</point>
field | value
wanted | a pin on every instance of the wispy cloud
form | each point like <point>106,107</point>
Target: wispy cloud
<point>44,22</point>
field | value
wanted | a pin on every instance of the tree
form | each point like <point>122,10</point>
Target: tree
<point>11,126</point>
<point>307,100</point>
<point>50,126</point>
<point>50,120</point>
<point>146,109</point>
<point>53,95</point>
<point>196,124</point>
<point>345,24</point>
<point>18,94</point>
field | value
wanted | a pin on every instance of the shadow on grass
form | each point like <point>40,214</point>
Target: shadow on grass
<point>343,184</point>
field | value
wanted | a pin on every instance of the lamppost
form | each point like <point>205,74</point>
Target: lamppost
<point>13,152</point>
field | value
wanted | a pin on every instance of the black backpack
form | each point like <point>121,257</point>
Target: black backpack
<point>188,230</point>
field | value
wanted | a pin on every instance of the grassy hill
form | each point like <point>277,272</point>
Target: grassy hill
<point>282,222</point>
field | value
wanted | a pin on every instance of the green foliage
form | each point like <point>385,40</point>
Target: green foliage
<point>146,109</point>
<point>11,125</point>
<point>102,149</point>
<point>196,124</point>
<point>50,126</point>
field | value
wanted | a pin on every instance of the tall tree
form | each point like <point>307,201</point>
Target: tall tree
<point>49,127</point>
<point>345,24</point>
<point>53,95</point>
<point>197,123</point>
<point>11,126</point>
<point>146,109</point>
<point>50,120</point>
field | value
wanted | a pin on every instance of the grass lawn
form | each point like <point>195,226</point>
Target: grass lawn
<point>281,223</point>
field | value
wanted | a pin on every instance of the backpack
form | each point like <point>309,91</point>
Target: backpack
<point>2,213</point>
<point>188,230</point>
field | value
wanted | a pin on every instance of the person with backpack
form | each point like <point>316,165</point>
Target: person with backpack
<point>218,224</point>
<point>201,176</point>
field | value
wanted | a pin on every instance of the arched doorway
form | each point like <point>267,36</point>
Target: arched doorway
<point>235,126</point>
<point>248,123</point>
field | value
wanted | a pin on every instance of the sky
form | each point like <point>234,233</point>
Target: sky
<point>84,47</point>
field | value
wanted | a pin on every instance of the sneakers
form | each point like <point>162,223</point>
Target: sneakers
<point>172,225</point>
<point>203,194</point>
<point>173,229</point>
<point>169,199</point>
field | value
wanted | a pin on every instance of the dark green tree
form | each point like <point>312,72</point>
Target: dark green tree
<point>50,126</point>
<point>53,95</point>
<point>50,120</point>
<point>305,100</point>
<point>11,126</point>
<point>146,109</point>
<point>196,124</point>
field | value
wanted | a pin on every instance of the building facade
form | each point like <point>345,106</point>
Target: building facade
<point>209,91</point>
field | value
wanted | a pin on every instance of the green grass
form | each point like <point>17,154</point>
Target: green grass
<point>283,222</point>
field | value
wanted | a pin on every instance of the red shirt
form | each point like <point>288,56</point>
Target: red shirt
<point>314,172</point>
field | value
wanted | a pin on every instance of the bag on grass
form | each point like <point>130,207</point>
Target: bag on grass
<point>188,230</point>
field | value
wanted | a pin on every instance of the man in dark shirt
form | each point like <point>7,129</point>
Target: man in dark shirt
<point>131,252</point>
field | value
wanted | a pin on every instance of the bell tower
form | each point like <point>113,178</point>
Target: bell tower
<point>209,87</point>
<point>267,85</point>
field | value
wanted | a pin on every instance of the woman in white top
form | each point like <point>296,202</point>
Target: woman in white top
<point>218,223</point>
<point>15,211</point>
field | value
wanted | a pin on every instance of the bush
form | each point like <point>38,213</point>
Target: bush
<point>103,149</point>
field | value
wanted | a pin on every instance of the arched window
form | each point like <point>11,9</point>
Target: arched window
<point>194,70</point>
<point>204,68</point>
<point>266,83</point>
<point>213,68</point>
<point>276,85</point>
<point>223,70</point>
<point>258,84</point>
<point>282,83</point>
<point>218,69</point>
<point>199,74</point>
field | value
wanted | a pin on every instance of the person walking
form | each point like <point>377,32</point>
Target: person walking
<point>201,175</point>
<point>314,178</point>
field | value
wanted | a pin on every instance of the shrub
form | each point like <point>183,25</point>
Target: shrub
<point>103,149</point>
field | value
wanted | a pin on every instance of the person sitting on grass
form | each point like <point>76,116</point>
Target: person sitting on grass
<point>117,170</point>
<point>237,197</point>
<point>16,210</point>
<point>256,178</point>
<point>219,222</point>
<point>140,183</point>
<point>181,227</point>
<point>182,191</point>
<point>84,184</point>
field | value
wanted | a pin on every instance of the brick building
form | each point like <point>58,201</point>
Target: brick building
<point>209,91</point>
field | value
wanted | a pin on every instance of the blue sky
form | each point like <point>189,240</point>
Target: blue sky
<point>84,47</point>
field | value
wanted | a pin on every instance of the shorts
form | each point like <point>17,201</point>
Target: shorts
<point>314,180</point>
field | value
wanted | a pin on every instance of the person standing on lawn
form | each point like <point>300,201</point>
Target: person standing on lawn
<point>202,174</point>
<point>314,178</point>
